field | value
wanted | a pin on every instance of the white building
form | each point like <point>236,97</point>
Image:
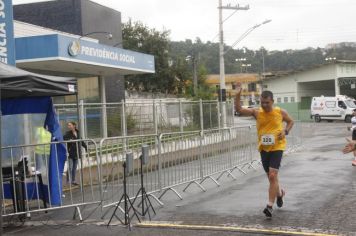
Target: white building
<point>293,91</point>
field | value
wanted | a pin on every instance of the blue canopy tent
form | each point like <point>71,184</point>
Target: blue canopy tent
<point>23,92</point>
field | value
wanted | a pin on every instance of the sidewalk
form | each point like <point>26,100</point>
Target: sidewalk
<point>320,184</point>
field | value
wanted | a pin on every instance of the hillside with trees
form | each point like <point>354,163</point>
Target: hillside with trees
<point>174,61</point>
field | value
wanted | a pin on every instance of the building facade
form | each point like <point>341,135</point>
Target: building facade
<point>294,91</point>
<point>70,38</point>
<point>251,86</point>
<point>77,18</point>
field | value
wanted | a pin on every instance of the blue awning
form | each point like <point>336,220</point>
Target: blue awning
<point>61,53</point>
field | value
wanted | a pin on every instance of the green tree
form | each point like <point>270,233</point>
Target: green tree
<point>138,37</point>
<point>204,92</point>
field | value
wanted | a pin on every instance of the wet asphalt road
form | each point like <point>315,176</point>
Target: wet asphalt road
<point>321,197</point>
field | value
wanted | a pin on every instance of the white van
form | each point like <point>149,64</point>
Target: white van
<point>332,108</point>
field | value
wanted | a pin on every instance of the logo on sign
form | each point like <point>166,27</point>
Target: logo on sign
<point>74,48</point>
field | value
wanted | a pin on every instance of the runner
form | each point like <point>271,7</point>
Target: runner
<point>271,141</point>
<point>353,130</point>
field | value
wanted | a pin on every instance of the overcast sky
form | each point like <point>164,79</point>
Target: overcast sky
<point>295,24</point>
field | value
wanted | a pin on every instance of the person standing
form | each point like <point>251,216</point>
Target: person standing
<point>42,150</point>
<point>271,141</point>
<point>353,130</point>
<point>73,150</point>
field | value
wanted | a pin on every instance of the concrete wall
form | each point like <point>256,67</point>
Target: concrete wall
<point>63,15</point>
<point>95,17</point>
<point>327,72</point>
<point>315,82</point>
<point>79,17</point>
<point>299,84</point>
<point>346,70</point>
<point>304,85</point>
<point>314,89</point>
<point>282,87</point>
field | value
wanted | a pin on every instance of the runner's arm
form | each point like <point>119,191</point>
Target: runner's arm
<point>239,108</point>
<point>288,120</point>
<point>350,146</point>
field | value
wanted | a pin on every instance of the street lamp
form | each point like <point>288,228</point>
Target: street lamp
<point>222,96</point>
<point>240,60</point>
<point>108,34</point>
<point>330,59</point>
<point>117,44</point>
<point>246,65</point>
<point>247,32</point>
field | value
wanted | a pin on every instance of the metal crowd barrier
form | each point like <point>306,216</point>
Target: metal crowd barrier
<point>176,159</point>
<point>192,157</point>
<point>294,138</point>
<point>36,181</point>
<point>112,156</point>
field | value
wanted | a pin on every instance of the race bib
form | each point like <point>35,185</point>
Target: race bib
<point>267,139</point>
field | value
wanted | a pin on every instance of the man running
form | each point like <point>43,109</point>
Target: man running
<point>271,141</point>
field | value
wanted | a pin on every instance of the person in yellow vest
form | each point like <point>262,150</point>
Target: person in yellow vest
<point>271,141</point>
<point>42,152</point>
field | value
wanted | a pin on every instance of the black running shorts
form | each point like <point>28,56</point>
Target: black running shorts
<point>354,134</point>
<point>271,159</point>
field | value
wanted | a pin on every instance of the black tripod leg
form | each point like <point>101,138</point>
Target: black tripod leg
<point>114,213</point>
<point>148,198</point>
<point>148,209</point>
<point>134,209</point>
<point>133,202</point>
<point>138,193</point>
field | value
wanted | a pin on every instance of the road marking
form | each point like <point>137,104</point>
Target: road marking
<point>228,228</point>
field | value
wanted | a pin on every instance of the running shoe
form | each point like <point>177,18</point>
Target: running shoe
<point>268,211</point>
<point>280,198</point>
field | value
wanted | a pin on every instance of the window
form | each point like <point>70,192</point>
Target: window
<point>292,99</point>
<point>252,87</point>
<point>279,100</point>
<point>285,99</point>
<point>330,104</point>
<point>341,104</point>
<point>88,91</point>
<point>233,86</point>
<point>350,103</point>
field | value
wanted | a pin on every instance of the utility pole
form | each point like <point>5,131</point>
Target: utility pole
<point>222,90</point>
<point>194,60</point>
<point>263,68</point>
<point>195,75</point>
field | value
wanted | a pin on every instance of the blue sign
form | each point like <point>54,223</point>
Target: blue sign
<point>98,53</point>
<point>61,47</point>
<point>7,42</point>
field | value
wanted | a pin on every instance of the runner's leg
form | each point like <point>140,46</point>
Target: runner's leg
<point>275,163</point>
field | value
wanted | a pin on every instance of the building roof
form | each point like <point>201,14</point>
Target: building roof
<point>243,78</point>
<point>278,74</point>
